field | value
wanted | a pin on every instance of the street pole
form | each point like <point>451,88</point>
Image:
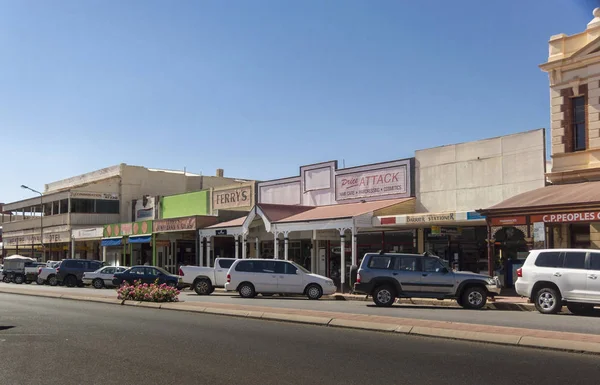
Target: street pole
<point>41,219</point>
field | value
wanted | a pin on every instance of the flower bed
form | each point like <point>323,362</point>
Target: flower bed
<point>148,292</point>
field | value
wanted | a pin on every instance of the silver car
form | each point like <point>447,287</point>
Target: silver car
<point>387,276</point>
<point>102,277</point>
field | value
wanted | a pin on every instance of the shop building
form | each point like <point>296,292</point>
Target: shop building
<point>453,181</point>
<point>176,220</point>
<point>564,213</point>
<point>316,218</point>
<point>44,226</point>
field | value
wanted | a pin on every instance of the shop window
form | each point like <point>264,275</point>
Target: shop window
<point>107,207</point>
<point>575,260</point>
<point>549,259</point>
<point>55,206</point>
<point>64,206</point>
<point>399,241</point>
<point>578,123</point>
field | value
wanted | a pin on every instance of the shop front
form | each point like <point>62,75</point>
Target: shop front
<point>177,240</point>
<point>558,216</point>
<point>55,246</point>
<point>458,237</point>
<point>128,244</point>
<point>86,243</point>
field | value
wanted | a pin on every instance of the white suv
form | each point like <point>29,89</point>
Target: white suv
<point>555,276</point>
<point>269,276</point>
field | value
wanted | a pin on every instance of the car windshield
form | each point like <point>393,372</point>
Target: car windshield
<point>301,267</point>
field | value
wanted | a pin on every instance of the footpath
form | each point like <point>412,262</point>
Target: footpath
<point>576,342</point>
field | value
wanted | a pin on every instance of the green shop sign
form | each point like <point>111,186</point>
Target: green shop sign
<point>126,229</point>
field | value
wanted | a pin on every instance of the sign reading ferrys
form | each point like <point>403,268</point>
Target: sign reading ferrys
<point>123,229</point>
<point>372,183</point>
<point>237,197</point>
<point>587,216</point>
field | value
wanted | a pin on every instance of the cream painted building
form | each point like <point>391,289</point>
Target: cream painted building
<point>74,208</point>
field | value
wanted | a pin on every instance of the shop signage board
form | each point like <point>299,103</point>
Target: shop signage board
<point>147,211</point>
<point>125,229</point>
<point>94,232</point>
<point>94,195</point>
<point>34,239</point>
<point>584,216</point>
<point>431,218</point>
<point>372,183</point>
<point>509,221</point>
<point>175,224</point>
<point>232,198</point>
<point>474,215</point>
<point>221,232</point>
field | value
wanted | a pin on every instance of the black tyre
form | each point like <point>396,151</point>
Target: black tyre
<point>98,283</point>
<point>52,281</point>
<point>19,279</point>
<point>548,300</point>
<point>172,284</point>
<point>384,296</point>
<point>71,281</point>
<point>474,297</point>
<point>40,281</point>
<point>246,290</point>
<point>203,287</point>
<point>314,291</point>
<point>6,279</point>
<point>580,308</point>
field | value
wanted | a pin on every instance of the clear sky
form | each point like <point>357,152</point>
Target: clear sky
<point>261,87</point>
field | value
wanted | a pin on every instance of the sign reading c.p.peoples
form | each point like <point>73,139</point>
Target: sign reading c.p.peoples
<point>372,183</point>
<point>237,197</point>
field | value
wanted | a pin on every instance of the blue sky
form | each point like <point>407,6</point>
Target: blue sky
<point>261,87</point>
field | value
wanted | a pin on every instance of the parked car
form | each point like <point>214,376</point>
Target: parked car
<point>47,274</point>
<point>387,276</point>
<point>70,272</point>
<point>20,269</point>
<point>147,274</point>
<point>102,277</point>
<point>556,277</point>
<point>250,277</point>
<point>204,280</point>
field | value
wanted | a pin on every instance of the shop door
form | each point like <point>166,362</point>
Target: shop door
<point>435,278</point>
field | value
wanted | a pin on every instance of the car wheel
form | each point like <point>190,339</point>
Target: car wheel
<point>6,279</point>
<point>548,301</point>
<point>98,283</point>
<point>384,296</point>
<point>474,297</point>
<point>172,284</point>
<point>52,281</point>
<point>40,281</point>
<point>580,308</point>
<point>314,291</point>
<point>19,279</point>
<point>70,281</point>
<point>246,290</point>
<point>203,287</point>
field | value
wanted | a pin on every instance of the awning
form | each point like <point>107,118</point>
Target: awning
<point>140,239</point>
<point>111,242</point>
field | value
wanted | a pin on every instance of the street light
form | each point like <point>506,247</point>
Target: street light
<point>41,219</point>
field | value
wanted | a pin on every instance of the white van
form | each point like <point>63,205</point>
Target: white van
<point>250,277</point>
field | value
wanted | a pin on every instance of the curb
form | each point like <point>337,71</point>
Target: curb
<point>494,338</point>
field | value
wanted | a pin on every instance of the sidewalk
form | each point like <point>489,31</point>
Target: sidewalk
<point>472,332</point>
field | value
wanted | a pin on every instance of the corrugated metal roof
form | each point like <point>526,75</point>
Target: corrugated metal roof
<point>556,195</point>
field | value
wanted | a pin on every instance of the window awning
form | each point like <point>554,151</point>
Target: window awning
<point>111,242</point>
<point>140,239</point>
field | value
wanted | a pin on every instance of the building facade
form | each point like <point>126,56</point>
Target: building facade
<point>566,212</point>
<point>58,224</point>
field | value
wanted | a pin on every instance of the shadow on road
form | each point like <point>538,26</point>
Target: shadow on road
<point>5,327</point>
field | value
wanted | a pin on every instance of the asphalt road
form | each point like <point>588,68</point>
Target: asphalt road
<point>47,340</point>
<point>522,319</point>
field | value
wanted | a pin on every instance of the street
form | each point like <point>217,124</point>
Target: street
<point>52,340</point>
<point>520,319</point>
